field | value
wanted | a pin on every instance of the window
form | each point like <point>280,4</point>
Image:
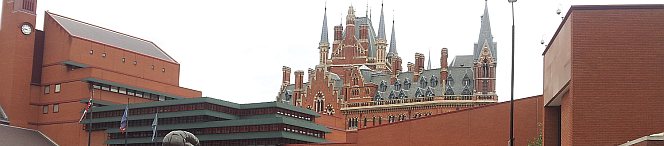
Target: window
<point>56,108</point>
<point>114,89</point>
<point>92,52</point>
<point>123,60</point>
<point>152,67</point>
<point>47,89</point>
<point>163,69</point>
<point>135,62</point>
<point>57,88</point>
<point>122,90</point>
<point>96,86</point>
<point>45,109</point>
<point>130,92</point>
<point>103,55</point>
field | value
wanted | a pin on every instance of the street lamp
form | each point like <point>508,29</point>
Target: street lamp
<point>511,141</point>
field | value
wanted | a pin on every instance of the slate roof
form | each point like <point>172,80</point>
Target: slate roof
<point>15,136</point>
<point>462,61</point>
<point>110,37</point>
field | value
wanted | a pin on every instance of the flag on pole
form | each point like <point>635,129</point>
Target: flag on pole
<point>154,126</point>
<point>123,122</point>
<point>86,109</point>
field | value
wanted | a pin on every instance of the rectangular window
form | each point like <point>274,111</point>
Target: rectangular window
<point>114,89</point>
<point>47,89</point>
<point>96,86</point>
<point>57,88</point>
<point>130,92</point>
<point>162,98</point>
<point>45,109</point>
<point>104,87</point>
<point>122,90</point>
<point>139,94</point>
<point>56,108</point>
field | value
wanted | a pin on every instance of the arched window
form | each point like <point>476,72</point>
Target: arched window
<point>319,102</point>
<point>423,82</point>
<point>397,85</point>
<point>485,68</point>
<point>383,86</point>
<point>433,81</point>
<point>406,83</point>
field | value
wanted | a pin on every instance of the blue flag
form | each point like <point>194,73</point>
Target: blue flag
<point>123,122</point>
<point>154,127</point>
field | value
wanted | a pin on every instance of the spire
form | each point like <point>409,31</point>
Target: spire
<point>323,34</point>
<point>393,41</point>
<point>429,65</point>
<point>485,36</point>
<point>381,24</point>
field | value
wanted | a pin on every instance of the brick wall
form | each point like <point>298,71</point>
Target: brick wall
<point>617,56</point>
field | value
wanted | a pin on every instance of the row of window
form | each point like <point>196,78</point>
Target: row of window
<point>226,130</point>
<point>103,55</point>
<point>148,122</point>
<point>353,123</point>
<point>47,89</point>
<point>130,92</point>
<point>56,108</point>
<point>204,106</point>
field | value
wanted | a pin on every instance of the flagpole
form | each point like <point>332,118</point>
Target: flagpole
<point>127,125</point>
<point>92,93</point>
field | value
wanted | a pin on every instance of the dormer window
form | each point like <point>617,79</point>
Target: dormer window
<point>434,81</point>
<point>423,82</point>
<point>397,85</point>
<point>406,84</point>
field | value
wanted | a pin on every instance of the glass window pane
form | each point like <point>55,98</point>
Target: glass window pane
<point>56,108</point>
<point>47,89</point>
<point>57,88</point>
<point>45,109</point>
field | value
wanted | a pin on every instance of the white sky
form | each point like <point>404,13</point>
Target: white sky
<point>234,50</point>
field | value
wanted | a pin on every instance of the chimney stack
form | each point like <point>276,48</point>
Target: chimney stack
<point>286,75</point>
<point>419,66</point>
<point>298,80</point>
<point>410,66</point>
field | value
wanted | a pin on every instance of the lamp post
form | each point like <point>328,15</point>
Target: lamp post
<point>511,141</point>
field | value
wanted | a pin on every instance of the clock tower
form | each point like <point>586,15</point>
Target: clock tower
<point>17,46</point>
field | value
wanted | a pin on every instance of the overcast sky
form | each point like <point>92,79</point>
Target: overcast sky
<point>234,50</point>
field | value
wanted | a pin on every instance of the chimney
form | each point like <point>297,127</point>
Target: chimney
<point>419,66</point>
<point>396,68</point>
<point>298,80</point>
<point>286,75</point>
<point>443,65</point>
<point>410,66</point>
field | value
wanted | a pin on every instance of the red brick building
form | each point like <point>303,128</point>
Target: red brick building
<point>602,86</point>
<point>47,74</point>
<point>361,83</point>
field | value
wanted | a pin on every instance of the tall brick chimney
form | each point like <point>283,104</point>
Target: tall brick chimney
<point>286,71</point>
<point>299,74</point>
<point>419,66</point>
<point>443,66</point>
<point>410,66</point>
<point>396,68</point>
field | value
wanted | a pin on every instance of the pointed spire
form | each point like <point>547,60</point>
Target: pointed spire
<point>323,35</point>
<point>381,24</point>
<point>429,65</point>
<point>393,41</point>
<point>485,36</point>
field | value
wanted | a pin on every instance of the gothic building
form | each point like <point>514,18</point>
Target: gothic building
<point>362,80</point>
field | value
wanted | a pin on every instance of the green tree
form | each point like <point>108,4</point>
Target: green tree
<point>537,141</point>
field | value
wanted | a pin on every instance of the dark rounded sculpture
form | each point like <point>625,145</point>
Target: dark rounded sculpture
<point>180,138</point>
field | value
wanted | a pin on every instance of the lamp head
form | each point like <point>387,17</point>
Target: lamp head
<point>511,1</point>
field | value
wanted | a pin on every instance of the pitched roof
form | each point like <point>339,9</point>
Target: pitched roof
<point>462,61</point>
<point>109,37</point>
<point>10,135</point>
